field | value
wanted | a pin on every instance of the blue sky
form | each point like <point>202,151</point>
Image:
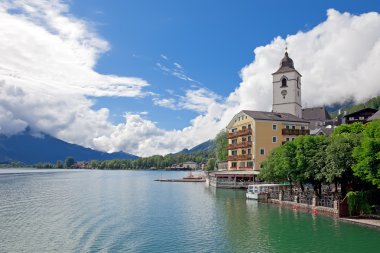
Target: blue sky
<point>154,77</point>
<point>212,40</point>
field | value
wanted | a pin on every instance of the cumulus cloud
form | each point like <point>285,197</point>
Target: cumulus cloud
<point>47,71</point>
<point>47,76</point>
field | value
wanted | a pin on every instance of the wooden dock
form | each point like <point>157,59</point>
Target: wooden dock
<point>181,180</point>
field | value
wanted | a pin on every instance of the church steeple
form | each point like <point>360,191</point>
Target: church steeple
<point>287,88</point>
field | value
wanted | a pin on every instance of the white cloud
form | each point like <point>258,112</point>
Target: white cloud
<point>177,71</point>
<point>165,102</point>
<point>47,71</point>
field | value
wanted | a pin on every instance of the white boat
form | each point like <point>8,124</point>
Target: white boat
<point>254,190</point>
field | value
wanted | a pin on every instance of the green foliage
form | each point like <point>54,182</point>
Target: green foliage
<point>69,162</point>
<point>367,155</point>
<point>358,203</point>
<point>355,128</point>
<point>339,160</point>
<point>280,165</point>
<point>211,164</point>
<point>221,144</point>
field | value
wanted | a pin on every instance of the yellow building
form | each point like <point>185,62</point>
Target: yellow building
<point>252,135</point>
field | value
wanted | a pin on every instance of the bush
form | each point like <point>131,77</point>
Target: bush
<point>358,202</point>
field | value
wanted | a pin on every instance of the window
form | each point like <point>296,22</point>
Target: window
<point>234,141</point>
<point>249,151</point>
<point>293,139</point>
<point>243,152</point>
<point>262,151</point>
<point>249,138</point>
<point>351,118</point>
<point>244,139</point>
<point>250,164</point>
<point>287,139</point>
<point>293,127</point>
<point>274,139</point>
<point>302,128</point>
<point>234,152</point>
<point>242,164</point>
<point>249,126</point>
<point>287,127</point>
<point>274,127</point>
<point>234,130</point>
<point>283,82</point>
<point>361,118</point>
<point>244,127</point>
<point>234,164</point>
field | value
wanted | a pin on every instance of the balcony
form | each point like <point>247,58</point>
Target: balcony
<point>286,131</point>
<point>244,144</point>
<point>242,132</point>
<point>239,157</point>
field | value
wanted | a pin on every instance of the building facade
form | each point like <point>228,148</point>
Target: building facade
<point>253,134</point>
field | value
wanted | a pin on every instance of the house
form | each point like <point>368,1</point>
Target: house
<point>362,116</point>
<point>190,165</point>
<point>252,135</point>
<point>375,116</point>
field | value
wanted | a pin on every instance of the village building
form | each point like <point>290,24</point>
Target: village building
<point>252,135</point>
<point>362,116</point>
<point>376,116</point>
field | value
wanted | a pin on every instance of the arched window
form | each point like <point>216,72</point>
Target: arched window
<point>283,82</point>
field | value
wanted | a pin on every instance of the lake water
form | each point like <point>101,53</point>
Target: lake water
<point>126,211</point>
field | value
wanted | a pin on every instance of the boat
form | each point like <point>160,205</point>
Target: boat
<point>189,178</point>
<point>254,190</point>
<point>192,177</point>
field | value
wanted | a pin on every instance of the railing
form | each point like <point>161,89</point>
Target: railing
<point>242,132</point>
<point>244,144</point>
<point>286,131</point>
<point>239,157</point>
<point>306,199</point>
<point>326,201</point>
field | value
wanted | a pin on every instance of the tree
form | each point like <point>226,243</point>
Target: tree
<point>339,160</point>
<point>221,143</point>
<point>211,164</point>
<point>367,155</point>
<point>69,162</point>
<point>310,156</point>
<point>355,128</point>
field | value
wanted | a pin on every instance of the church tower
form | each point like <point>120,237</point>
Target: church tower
<point>287,88</point>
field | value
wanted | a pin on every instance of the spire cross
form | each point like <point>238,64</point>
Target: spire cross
<point>286,46</point>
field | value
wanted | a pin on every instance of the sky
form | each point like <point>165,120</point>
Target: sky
<point>154,77</point>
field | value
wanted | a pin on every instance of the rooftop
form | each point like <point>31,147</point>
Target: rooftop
<point>316,113</point>
<point>274,116</point>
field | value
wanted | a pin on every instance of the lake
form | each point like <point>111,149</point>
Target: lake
<point>126,211</point>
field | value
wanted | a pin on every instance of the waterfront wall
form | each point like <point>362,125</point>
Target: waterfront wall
<point>339,208</point>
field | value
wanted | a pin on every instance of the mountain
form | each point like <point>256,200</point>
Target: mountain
<point>205,146</point>
<point>350,106</point>
<point>30,149</point>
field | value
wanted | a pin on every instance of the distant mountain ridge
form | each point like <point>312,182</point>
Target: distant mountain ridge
<point>30,149</point>
<point>205,146</point>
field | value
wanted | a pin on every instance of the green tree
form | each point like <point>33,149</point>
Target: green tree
<point>221,143</point>
<point>339,160</point>
<point>69,162</point>
<point>211,164</point>
<point>367,155</point>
